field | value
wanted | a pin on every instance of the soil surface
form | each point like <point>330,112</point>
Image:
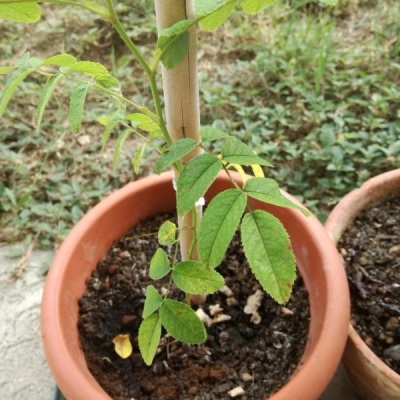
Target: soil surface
<point>259,358</point>
<point>371,251</point>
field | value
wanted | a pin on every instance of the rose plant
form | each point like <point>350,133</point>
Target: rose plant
<point>176,136</point>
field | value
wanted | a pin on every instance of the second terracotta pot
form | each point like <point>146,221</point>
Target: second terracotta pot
<point>317,260</point>
<point>371,377</point>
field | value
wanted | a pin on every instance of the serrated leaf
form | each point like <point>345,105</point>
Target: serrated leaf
<point>123,345</point>
<point>76,104</point>
<point>167,234</point>
<point>217,18</point>
<point>219,224</point>
<point>194,180</point>
<point>176,52</point>
<point>255,6</point>
<point>142,121</point>
<point>11,85</point>
<point>159,265</point>
<point>181,322</point>
<point>118,146</point>
<point>60,60</point>
<point>236,152</point>
<point>27,13</point>
<point>149,337</point>
<point>175,152</point>
<point>268,251</point>
<point>89,68</point>
<point>195,278</point>
<point>203,7</point>
<point>106,80</point>
<point>174,43</point>
<point>45,96</point>
<point>153,301</point>
<point>138,158</point>
<point>209,134</point>
<point>267,190</point>
<point>6,70</point>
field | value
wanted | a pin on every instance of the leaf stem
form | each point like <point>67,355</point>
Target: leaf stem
<point>114,20</point>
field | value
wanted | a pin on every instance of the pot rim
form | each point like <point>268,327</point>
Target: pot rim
<point>374,191</point>
<point>333,331</point>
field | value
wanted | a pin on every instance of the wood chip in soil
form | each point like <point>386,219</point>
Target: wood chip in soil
<point>370,248</point>
<point>259,358</point>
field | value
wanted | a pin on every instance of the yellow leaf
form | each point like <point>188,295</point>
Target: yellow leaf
<point>257,171</point>
<point>240,170</point>
<point>123,345</point>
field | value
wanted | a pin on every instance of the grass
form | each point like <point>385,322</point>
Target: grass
<point>316,91</point>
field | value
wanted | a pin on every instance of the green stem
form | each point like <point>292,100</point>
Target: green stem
<point>146,68</point>
<point>194,239</point>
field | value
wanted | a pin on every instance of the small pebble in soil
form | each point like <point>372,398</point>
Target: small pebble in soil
<point>393,352</point>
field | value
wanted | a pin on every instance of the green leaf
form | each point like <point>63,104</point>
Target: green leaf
<point>106,80</point>
<point>174,43</point>
<point>195,278</point>
<point>60,60</point>
<point>6,70</point>
<point>209,134</point>
<point>26,13</point>
<point>142,121</point>
<point>45,96</point>
<point>217,18</point>
<point>118,146</point>
<point>181,322</point>
<point>175,152</point>
<point>329,2</point>
<point>203,7</point>
<point>110,125</point>
<point>159,265</point>
<point>149,337</point>
<point>138,158</point>
<point>255,6</point>
<point>76,104</point>
<point>268,251</point>
<point>236,152</point>
<point>219,224</point>
<point>153,301</point>
<point>88,68</point>
<point>195,179</point>
<point>176,51</point>
<point>167,234</point>
<point>267,190</point>
<point>11,85</point>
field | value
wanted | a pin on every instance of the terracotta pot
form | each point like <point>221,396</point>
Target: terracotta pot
<point>317,258</point>
<point>371,377</point>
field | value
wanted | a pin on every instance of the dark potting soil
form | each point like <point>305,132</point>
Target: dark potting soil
<point>370,248</point>
<point>260,358</point>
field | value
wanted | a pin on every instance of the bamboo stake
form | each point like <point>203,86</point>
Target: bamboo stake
<point>181,96</point>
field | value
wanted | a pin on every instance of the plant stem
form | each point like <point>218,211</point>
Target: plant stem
<point>114,20</point>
